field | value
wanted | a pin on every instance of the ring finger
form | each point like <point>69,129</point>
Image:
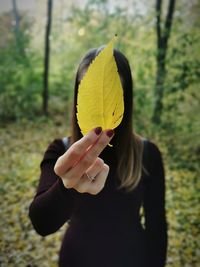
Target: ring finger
<point>93,170</point>
<point>90,174</point>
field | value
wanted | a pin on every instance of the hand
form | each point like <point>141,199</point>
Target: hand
<point>81,161</point>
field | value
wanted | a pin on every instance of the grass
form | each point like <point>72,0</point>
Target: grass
<point>22,149</point>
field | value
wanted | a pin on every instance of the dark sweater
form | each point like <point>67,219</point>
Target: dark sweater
<point>104,230</point>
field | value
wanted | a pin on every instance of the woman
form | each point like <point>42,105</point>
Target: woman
<point>99,191</point>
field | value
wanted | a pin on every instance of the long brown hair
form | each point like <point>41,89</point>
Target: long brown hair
<point>127,145</point>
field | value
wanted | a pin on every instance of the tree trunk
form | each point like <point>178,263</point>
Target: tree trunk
<point>46,57</point>
<point>162,45</point>
<point>19,42</point>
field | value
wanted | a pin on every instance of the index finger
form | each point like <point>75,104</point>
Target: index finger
<point>74,153</point>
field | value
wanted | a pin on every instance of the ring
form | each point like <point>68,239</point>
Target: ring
<point>90,177</point>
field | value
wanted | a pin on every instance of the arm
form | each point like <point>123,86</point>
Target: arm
<point>63,174</point>
<point>154,209</point>
<point>52,204</point>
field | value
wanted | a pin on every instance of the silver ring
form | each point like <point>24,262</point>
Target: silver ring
<point>90,177</point>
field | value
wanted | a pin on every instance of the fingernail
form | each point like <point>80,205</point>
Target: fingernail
<point>109,133</point>
<point>98,130</point>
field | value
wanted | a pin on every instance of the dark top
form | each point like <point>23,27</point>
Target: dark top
<point>105,230</point>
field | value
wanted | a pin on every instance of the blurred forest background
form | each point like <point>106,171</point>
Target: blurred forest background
<point>162,43</point>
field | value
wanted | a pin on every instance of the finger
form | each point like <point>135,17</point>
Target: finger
<point>74,153</point>
<point>84,182</point>
<point>95,168</point>
<point>88,159</point>
<point>74,180</point>
<point>99,183</point>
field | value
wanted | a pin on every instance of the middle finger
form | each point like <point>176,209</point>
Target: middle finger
<point>91,155</point>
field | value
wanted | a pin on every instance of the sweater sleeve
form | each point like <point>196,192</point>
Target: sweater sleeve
<point>52,204</point>
<point>154,209</point>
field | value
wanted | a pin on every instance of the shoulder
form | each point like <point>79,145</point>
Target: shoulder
<point>150,147</point>
<point>157,167</point>
<point>153,155</point>
<point>55,149</point>
<point>153,148</point>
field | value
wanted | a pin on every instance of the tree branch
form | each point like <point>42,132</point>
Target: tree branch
<point>168,22</point>
<point>158,20</point>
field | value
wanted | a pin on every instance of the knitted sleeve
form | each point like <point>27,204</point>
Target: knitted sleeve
<point>154,209</point>
<point>52,204</point>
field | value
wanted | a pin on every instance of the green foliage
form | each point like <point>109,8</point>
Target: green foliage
<point>20,90</point>
<point>20,79</point>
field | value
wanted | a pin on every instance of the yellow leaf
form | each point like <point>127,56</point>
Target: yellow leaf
<point>100,95</point>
